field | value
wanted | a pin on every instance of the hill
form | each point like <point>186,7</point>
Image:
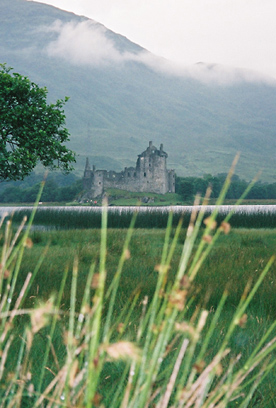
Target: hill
<point>121,96</point>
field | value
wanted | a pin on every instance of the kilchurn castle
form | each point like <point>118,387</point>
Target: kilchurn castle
<point>149,175</point>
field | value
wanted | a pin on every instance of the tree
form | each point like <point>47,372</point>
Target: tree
<point>30,129</point>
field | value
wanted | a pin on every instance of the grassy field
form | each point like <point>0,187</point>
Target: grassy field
<point>122,197</point>
<point>140,317</point>
<point>236,259</point>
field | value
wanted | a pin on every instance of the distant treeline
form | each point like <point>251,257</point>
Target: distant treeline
<point>61,188</point>
<point>58,188</point>
<point>188,187</point>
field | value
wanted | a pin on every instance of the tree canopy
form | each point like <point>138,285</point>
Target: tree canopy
<point>31,130</point>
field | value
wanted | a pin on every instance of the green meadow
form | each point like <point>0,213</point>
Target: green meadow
<point>237,258</point>
<point>137,310</point>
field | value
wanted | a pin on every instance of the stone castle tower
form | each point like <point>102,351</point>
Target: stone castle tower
<point>149,175</point>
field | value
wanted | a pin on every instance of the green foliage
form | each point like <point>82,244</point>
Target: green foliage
<point>86,217</point>
<point>188,187</point>
<point>66,188</point>
<point>30,129</point>
<point>92,343</point>
<point>235,259</point>
<point>53,192</point>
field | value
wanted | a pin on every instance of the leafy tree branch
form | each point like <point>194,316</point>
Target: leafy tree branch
<point>31,130</point>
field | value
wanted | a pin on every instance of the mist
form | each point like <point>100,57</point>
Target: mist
<point>87,43</point>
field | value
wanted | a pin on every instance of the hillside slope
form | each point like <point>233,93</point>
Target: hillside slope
<point>121,96</point>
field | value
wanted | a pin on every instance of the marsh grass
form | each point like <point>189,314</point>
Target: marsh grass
<point>65,218</point>
<point>236,258</point>
<point>101,347</point>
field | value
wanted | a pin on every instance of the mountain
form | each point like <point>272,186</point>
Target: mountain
<point>121,96</point>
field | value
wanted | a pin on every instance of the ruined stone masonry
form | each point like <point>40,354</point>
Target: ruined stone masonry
<point>149,175</point>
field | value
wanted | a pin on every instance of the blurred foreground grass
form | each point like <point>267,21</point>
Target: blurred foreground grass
<point>138,318</point>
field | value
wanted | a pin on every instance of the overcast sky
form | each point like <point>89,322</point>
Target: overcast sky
<point>238,33</point>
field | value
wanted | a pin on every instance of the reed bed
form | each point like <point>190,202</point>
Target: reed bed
<point>159,352</point>
<point>147,217</point>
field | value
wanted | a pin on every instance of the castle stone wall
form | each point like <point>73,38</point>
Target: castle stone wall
<point>149,175</point>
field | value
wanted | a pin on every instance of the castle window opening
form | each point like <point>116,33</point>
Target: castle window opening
<point>145,174</point>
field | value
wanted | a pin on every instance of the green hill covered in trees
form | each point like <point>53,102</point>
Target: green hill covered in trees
<point>121,96</point>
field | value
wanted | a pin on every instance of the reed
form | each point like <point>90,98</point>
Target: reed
<point>159,351</point>
<point>83,217</point>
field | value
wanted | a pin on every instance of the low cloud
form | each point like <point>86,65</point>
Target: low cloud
<point>208,73</point>
<point>84,43</point>
<point>89,43</point>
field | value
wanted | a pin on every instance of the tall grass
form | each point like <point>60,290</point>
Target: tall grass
<point>160,352</point>
<point>74,218</point>
<point>146,218</point>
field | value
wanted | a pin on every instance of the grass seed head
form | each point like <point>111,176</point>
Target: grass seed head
<point>31,390</point>
<point>242,321</point>
<point>209,222</point>
<point>123,350</point>
<point>185,328</point>
<point>162,268</point>
<point>145,300</point>
<point>73,372</point>
<point>97,400</point>
<point>66,337</point>
<point>29,243</point>
<point>161,293</point>
<point>158,329</point>
<point>225,227</point>
<point>219,370</point>
<point>29,339</point>
<point>207,238</point>
<point>120,328</point>
<point>184,282</point>
<point>85,309</point>
<point>40,316</point>
<point>95,281</point>
<point>199,366</point>
<point>38,320</point>
<point>95,300</point>
<point>178,299</point>
<point>127,254</point>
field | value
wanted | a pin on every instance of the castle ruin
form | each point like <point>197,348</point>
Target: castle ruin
<point>149,175</point>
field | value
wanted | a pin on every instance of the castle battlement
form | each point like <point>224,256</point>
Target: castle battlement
<point>149,175</point>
